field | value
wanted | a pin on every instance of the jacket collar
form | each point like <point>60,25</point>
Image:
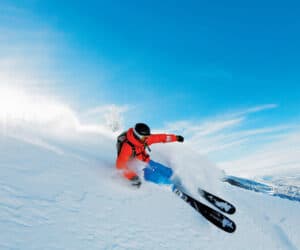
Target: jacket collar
<point>133,138</point>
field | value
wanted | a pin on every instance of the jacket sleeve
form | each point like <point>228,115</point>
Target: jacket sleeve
<point>161,138</point>
<point>122,161</point>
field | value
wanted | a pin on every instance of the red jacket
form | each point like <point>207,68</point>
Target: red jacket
<point>140,153</point>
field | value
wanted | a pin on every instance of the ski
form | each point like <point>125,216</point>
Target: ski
<point>218,202</point>
<point>212,215</point>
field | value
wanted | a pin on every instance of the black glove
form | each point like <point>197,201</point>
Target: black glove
<point>136,181</point>
<point>180,138</point>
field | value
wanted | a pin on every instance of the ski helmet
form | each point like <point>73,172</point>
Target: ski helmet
<point>141,130</point>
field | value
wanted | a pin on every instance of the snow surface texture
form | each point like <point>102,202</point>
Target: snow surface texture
<point>73,198</point>
<point>275,188</point>
<point>59,190</point>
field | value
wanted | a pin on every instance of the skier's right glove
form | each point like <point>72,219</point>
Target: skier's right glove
<point>180,138</point>
<point>136,181</point>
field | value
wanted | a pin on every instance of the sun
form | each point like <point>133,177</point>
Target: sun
<point>19,105</point>
<point>13,104</point>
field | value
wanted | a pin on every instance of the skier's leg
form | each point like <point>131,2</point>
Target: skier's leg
<point>152,174</point>
<point>163,170</point>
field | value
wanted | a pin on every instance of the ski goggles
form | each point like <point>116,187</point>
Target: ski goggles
<point>140,137</point>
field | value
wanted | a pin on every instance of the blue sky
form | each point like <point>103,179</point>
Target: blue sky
<point>193,58</point>
<point>166,61</point>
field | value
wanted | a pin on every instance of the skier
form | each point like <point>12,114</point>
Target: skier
<point>133,145</point>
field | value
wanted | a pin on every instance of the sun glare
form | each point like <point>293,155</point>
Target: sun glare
<point>17,105</point>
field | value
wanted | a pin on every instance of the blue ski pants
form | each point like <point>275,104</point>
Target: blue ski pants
<point>158,173</point>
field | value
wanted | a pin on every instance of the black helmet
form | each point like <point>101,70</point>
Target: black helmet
<point>141,129</point>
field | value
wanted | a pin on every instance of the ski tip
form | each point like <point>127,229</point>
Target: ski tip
<point>233,229</point>
<point>230,231</point>
<point>229,227</point>
<point>231,210</point>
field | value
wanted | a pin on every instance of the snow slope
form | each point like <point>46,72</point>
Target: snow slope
<point>58,193</point>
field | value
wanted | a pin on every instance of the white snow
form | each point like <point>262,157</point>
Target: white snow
<point>63,192</point>
<point>78,201</point>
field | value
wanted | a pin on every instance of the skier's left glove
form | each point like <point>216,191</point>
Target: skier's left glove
<point>180,138</point>
<point>136,181</point>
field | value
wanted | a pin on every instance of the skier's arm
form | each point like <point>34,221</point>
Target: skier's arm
<point>163,138</point>
<point>122,161</point>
